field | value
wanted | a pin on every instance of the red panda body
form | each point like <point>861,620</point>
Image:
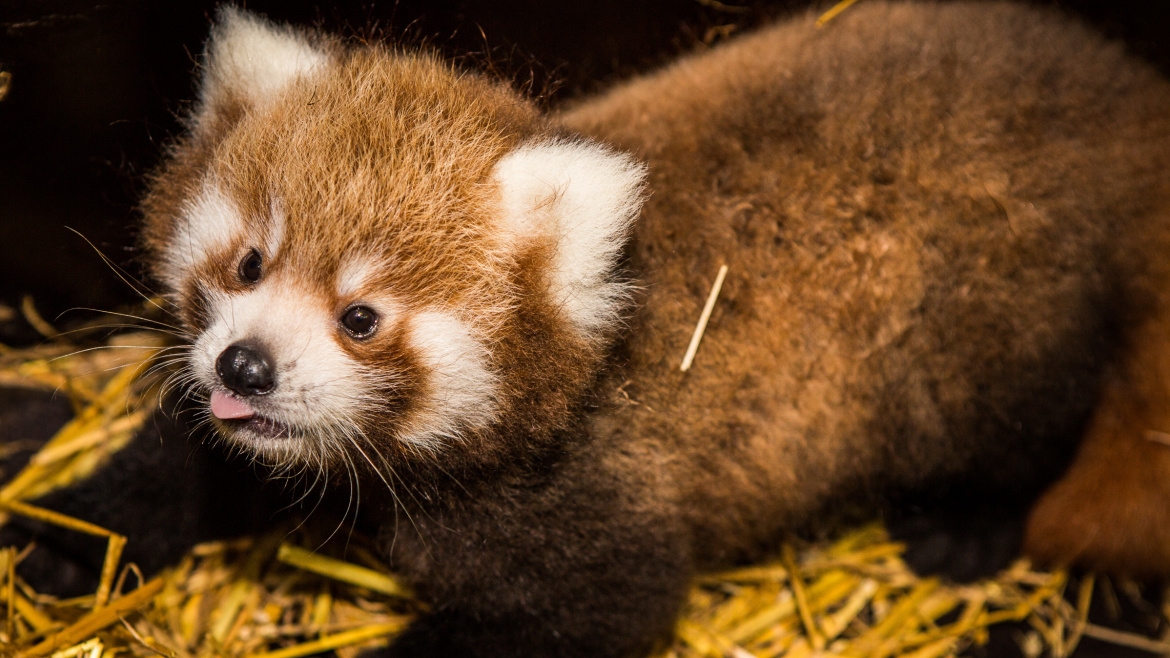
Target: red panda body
<point>935,217</point>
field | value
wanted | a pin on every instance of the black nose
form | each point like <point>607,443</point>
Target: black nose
<point>245,370</point>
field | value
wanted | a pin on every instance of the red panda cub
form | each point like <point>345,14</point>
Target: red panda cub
<point>936,217</point>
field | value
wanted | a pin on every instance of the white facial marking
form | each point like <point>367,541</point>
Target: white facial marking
<point>322,394</point>
<point>320,391</point>
<point>584,197</point>
<point>460,392</point>
<point>250,56</point>
<point>356,274</point>
<point>208,222</point>
<point>276,230</point>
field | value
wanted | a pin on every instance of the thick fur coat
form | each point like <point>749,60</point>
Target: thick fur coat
<point>939,220</point>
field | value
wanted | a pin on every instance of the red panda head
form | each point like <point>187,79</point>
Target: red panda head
<point>380,257</point>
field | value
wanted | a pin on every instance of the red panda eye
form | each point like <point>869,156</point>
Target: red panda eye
<point>360,321</point>
<point>249,269</point>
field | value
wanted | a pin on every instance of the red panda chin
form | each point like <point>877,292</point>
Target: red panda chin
<point>260,427</point>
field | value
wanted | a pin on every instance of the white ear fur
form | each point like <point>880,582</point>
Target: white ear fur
<point>584,197</point>
<point>253,59</point>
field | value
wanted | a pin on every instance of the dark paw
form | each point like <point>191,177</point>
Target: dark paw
<point>28,418</point>
<point>439,635</point>
<point>960,544</point>
<point>454,635</point>
<point>62,563</point>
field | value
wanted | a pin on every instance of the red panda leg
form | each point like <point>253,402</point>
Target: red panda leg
<point>1111,510</point>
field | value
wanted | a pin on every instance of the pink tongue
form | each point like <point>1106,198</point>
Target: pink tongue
<point>226,406</point>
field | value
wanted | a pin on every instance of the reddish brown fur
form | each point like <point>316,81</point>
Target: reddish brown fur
<point>1111,511</point>
<point>851,175</point>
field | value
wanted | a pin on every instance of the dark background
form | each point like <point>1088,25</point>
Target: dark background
<point>96,88</point>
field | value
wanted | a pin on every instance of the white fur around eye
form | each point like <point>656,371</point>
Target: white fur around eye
<point>356,274</point>
<point>253,59</point>
<point>584,197</point>
<point>207,223</point>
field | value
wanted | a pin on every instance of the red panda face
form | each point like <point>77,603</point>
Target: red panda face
<point>380,258</point>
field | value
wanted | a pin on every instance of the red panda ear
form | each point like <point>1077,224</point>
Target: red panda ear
<point>248,61</point>
<point>583,197</point>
